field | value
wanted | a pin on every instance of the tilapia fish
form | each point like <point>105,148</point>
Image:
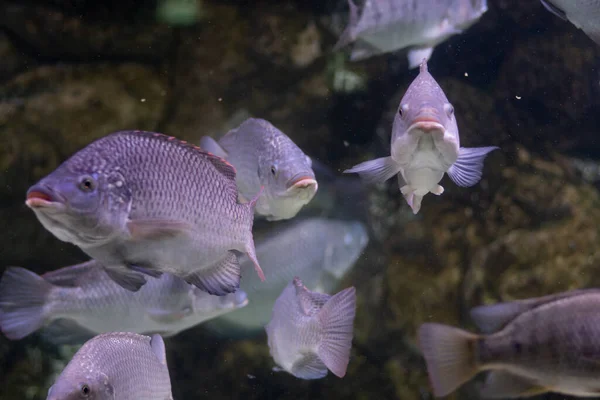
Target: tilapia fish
<point>546,344</point>
<point>425,145</point>
<point>266,157</point>
<point>584,14</point>
<point>116,365</point>
<point>82,301</point>
<point>311,332</point>
<point>384,26</point>
<point>319,250</point>
<point>146,203</point>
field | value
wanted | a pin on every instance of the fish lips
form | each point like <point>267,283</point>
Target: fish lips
<point>42,197</point>
<point>304,183</point>
<point>427,125</point>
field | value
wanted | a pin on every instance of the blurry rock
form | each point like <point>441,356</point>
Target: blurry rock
<point>50,33</point>
<point>47,114</point>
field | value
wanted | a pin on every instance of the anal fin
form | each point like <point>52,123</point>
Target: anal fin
<point>502,384</point>
<point>126,278</point>
<point>219,279</point>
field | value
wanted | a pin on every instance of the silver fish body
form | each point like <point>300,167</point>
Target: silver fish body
<point>389,25</point>
<point>584,14</point>
<point>547,344</point>
<point>116,365</point>
<point>321,251</point>
<point>310,333</point>
<point>266,157</point>
<point>425,145</point>
<point>146,203</point>
<point>85,295</point>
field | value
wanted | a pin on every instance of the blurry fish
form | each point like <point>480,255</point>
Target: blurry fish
<point>389,25</point>
<point>85,296</point>
<point>311,332</point>
<point>265,156</point>
<point>530,347</point>
<point>584,14</point>
<point>117,365</point>
<point>320,250</point>
<point>145,203</point>
<point>425,145</point>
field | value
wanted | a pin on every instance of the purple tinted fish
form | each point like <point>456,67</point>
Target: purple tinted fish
<point>584,14</point>
<point>146,203</point>
<point>311,332</point>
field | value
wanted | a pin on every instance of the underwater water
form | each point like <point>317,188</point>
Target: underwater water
<point>518,77</point>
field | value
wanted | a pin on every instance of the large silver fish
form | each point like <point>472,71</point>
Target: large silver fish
<point>312,332</point>
<point>146,203</point>
<point>116,365</point>
<point>419,25</point>
<point>530,347</point>
<point>266,157</point>
<point>425,145</point>
<point>584,14</point>
<point>319,250</point>
<point>85,296</point>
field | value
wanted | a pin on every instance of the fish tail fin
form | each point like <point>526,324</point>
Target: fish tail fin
<point>450,356</point>
<point>23,295</point>
<point>376,171</point>
<point>337,320</point>
<point>249,246</point>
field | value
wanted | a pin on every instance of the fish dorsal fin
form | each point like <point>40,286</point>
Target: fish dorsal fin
<point>220,164</point>
<point>158,348</point>
<point>71,276</point>
<point>492,318</point>
<point>310,302</point>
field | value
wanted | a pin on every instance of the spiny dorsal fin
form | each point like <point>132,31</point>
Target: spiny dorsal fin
<point>310,302</point>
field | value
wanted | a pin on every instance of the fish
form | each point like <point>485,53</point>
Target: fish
<point>584,14</point>
<point>266,157</point>
<point>529,347</point>
<point>384,26</point>
<point>143,203</point>
<point>311,333</point>
<point>425,145</point>
<point>116,365</point>
<point>320,250</point>
<point>84,301</point>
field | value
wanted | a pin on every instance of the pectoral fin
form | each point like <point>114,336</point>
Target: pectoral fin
<point>501,384</point>
<point>126,278</point>
<point>309,367</point>
<point>467,169</point>
<point>156,229</point>
<point>375,171</point>
<point>219,279</point>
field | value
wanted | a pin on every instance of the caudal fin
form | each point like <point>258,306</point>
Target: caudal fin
<point>23,295</point>
<point>250,250</point>
<point>449,354</point>
<point>337,322</point>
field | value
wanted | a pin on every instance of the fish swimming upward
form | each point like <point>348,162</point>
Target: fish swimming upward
<point>146,203</point>
<point>116,365</point>
<point>266,157</point>
<point>530,347</point>
<point>584,14</point>
<point>311,332</point>
<point>425,145</point>
<point>82,301</point>
<point>389,25</point>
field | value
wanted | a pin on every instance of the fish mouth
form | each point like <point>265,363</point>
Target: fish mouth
<point>426,124</point>
<point>42,197</point>
<point>303,182</point>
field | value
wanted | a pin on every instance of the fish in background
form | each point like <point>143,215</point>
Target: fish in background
<point>266,157</point>
<point>143,203</point>
<point>584,14</point>
<point>530,347</point>
<point>81,301</point>
<point>319,250</point>
<point>116,365</point>
<point>384,26</point>
<point>425,145</point>
<point>310,333</point>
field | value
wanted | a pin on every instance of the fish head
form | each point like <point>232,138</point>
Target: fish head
<point>425,110</point>
<point>212,306</point>
<point>80,202</point>
<point>81,384</point>
<point>287,175</point>
<point>347,241</point>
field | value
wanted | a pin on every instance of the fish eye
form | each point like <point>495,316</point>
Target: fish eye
<point>402,110</point>
<point>85,390</point>
<point>274,170</point>
<point>87,184</point>
<point>449,109</point>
